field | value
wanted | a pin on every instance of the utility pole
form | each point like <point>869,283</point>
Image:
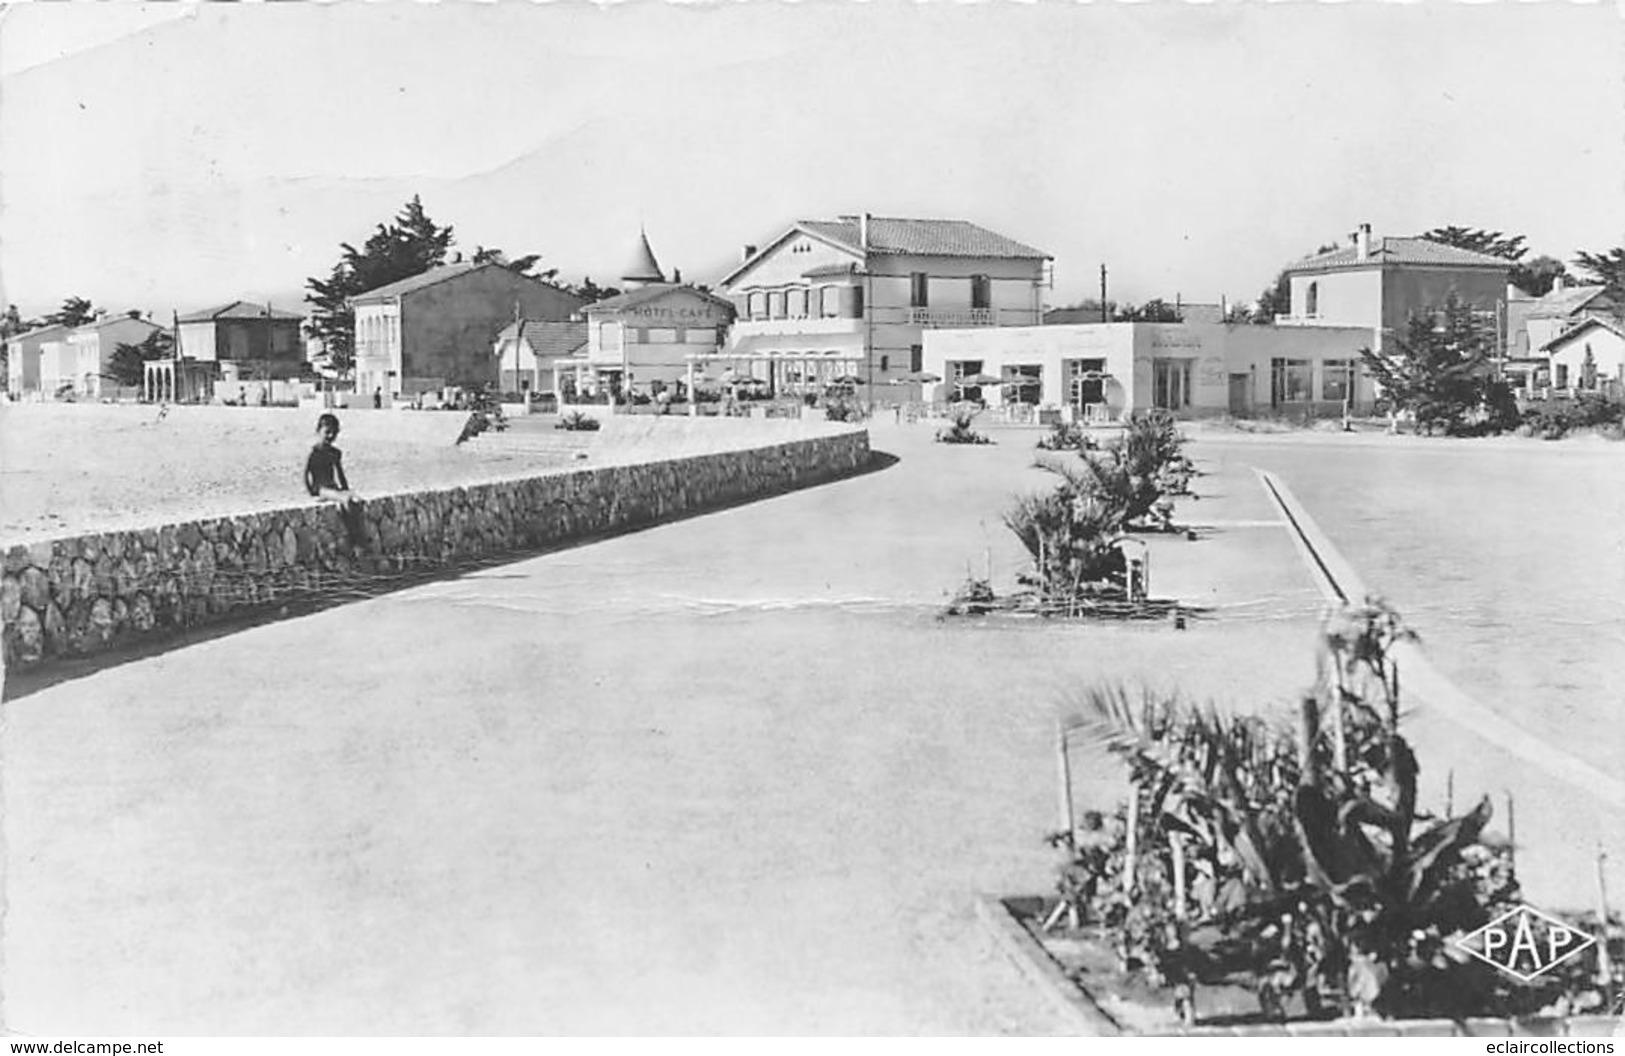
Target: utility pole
<point>518,335</point>
<point>1103,312</point>
<point>175,366</point>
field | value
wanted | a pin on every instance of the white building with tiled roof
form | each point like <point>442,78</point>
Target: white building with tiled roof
<point>23,357</point>
<point>853,296</point>
<point>1587,357</point>
<point>1382,282</point>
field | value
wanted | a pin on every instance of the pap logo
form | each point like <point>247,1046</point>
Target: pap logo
<point>1526,942</point>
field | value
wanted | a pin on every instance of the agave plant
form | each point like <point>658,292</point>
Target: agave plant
<point>1303,860</point>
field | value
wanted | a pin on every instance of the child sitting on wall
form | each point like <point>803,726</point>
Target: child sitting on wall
<point>325,479</point>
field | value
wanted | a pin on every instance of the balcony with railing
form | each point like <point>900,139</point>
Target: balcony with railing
<point>942,317</point>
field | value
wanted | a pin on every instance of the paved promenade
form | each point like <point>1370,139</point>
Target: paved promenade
<point>727,775</point>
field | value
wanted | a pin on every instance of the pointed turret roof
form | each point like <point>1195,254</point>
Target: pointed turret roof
<point>643,267</point>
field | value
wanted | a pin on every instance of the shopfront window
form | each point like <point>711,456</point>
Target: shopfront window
<point>1289,381</point>
<point>1171,383</point>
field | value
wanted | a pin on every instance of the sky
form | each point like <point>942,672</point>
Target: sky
<point>168,157</point>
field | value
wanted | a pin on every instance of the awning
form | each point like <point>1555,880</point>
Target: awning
<point>758,347</point>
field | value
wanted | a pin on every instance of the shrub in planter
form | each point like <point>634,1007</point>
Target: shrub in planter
<point>842,410</point>
<point>959,430</point>
<point>1071,535</point>
<point>575,421</point>
<point>1294,858</point>
<point>1065,436</point>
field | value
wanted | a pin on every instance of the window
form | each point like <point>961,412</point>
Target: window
<point>1289,381</point>
<point>798,304</point>
<point>829,299</point>
<point>1562,375</point>
<point>916,358</point>
<point>1337,380</point>
<point>1023,382</point>
<point>981,291</point>
<point>857,302</point>
<point>1312,300</point>
<point>692,336</point>
<point>660,336</point>
<point>756,303</point>
<point>885,364</point>
<point>919,289</point>
<point>775,304</point>
<point>1171,383</point>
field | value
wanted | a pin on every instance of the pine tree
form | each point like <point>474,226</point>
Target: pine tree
<point>1439,370</point>
<point>1606,268</point>
<point>409,245</point>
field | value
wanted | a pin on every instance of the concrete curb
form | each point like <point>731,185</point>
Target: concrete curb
<point>1072,1001</point>
<point>1337,580</point>
<point>1088,1019</point>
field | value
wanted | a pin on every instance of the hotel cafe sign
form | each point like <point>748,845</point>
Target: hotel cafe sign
<point>671,313</point>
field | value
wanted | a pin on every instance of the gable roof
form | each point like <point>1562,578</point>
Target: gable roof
<point>903,236</point>
<point>1581,327</point>
<point>111,320</point>
<point>40,332</point>
<point>548,337</point>
<point>238,310</point>
<point>1388,251</point>
<point>433,276</point>
<point>1567,301</point>
<point>632,298</point>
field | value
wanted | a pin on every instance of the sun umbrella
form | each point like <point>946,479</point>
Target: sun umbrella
<point>847,379</point>
<point>918,377</point>
<point>978,379</point>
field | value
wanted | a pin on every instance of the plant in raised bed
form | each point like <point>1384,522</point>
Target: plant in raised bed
<point>1294,859</point>
<point>959,430</point>
<point>1065,436</point>
<point>576,421</point>
<point>1071,533</point>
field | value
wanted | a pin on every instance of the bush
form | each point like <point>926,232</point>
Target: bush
<point>1304,867</point>
<point>843,410</point>
<point>959,430</point>
<point>1071,535</point>
<point>1065,436</point>
<point>576,421</point>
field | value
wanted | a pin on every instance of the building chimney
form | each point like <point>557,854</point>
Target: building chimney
<point>863,232</point>
<point>750,251</point>
<point>1362,243</point>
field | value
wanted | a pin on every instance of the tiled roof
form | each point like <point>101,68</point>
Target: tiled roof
<point>39,331</point>
<point>548,337</point>
<point>1388,251</point>
<point>926,238</point>
<point>1579,328</point>
<point>417,282</point>
<point>1564,302</point>
<point>102,324</point>
<point>633,298</point>
<point>239,310</point>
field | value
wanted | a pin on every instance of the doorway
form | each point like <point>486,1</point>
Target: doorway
<point>1241,395</point>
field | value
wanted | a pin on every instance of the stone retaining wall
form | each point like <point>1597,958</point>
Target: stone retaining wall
<point>84,594</point>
